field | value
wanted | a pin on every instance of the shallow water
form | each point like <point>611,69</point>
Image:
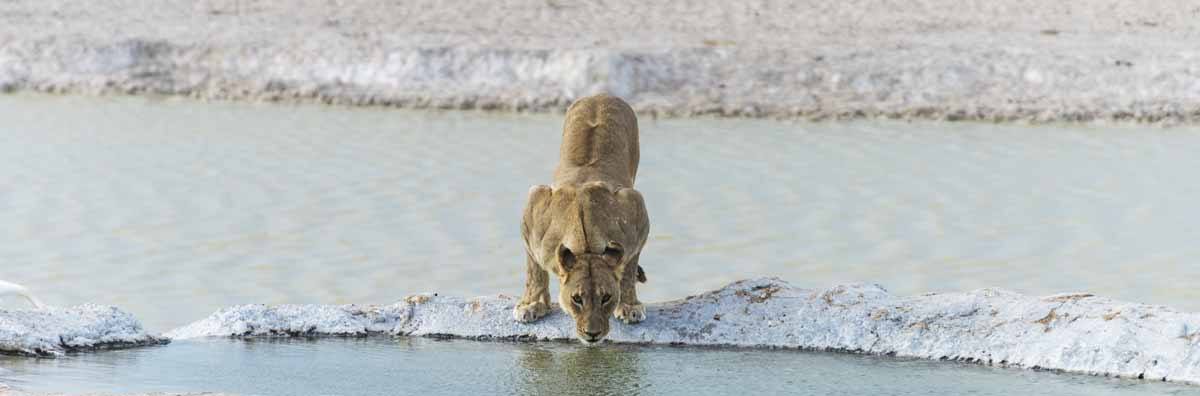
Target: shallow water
<point>374,366</point>
<point>172,209</point>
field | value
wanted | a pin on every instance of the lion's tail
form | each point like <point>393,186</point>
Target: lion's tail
<point>641,275</point>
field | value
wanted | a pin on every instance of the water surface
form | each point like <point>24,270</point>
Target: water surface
<point>172,209</point>
<point>416,366</point>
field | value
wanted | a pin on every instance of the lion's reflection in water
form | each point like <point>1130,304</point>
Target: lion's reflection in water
<point>600,370</point>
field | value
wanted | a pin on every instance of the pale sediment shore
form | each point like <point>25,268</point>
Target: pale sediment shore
<point>1077,60</point>
<point>53,331</point>
<point>1074,332</point>
<point>10,392</point>
<point>1069,332</point>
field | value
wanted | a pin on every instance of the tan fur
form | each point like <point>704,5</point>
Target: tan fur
<point>589,227</point>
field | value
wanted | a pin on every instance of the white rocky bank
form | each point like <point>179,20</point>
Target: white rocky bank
<point>1069,60</point>
<point>53,331</point>
<point>1069,332</point>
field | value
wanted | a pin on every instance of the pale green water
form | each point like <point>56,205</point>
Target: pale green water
<point>174,209</point>
<point>383,366</point>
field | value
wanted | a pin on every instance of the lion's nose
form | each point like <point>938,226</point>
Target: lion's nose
<point>592,335</point>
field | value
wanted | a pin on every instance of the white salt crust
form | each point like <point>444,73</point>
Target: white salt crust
<point>54,331</point>
<point>1073,332</point>
<point>1075,60</point>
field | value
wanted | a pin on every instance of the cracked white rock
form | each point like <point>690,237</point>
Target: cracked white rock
<point>1074,332</point>
<point>53,331</point>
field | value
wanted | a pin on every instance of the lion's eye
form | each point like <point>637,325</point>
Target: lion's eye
<point>577,300</point>
<point>604,300</point>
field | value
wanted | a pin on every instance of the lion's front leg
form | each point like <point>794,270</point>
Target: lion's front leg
<point>535,303</point>
<point>630,310</point>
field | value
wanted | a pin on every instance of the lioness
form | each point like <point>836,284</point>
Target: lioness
<point>589,227</point>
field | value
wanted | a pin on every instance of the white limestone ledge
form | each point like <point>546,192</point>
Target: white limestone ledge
<point>1073,332</point>
<point>54,331</point>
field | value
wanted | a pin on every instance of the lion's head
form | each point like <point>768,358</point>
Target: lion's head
<point>590,291</point>
<point>586,235</point>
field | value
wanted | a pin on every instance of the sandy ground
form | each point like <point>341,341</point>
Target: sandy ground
<point>940,59</point>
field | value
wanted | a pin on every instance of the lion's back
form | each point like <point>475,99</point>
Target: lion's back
<point>599,142</point>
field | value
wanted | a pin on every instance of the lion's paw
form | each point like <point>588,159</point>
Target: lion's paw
<point>530,312</point>
<point>630,313</point>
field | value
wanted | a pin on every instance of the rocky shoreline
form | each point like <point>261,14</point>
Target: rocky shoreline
<point>53,331</point>
<point>1076,61</point>
<point>1071,332</point>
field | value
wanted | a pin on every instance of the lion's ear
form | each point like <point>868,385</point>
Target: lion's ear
<point>615,254</point>
<point>566,260</point>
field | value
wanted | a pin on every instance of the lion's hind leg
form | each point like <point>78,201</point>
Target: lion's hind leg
<point>535,303</point>
<point>630,310</point>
